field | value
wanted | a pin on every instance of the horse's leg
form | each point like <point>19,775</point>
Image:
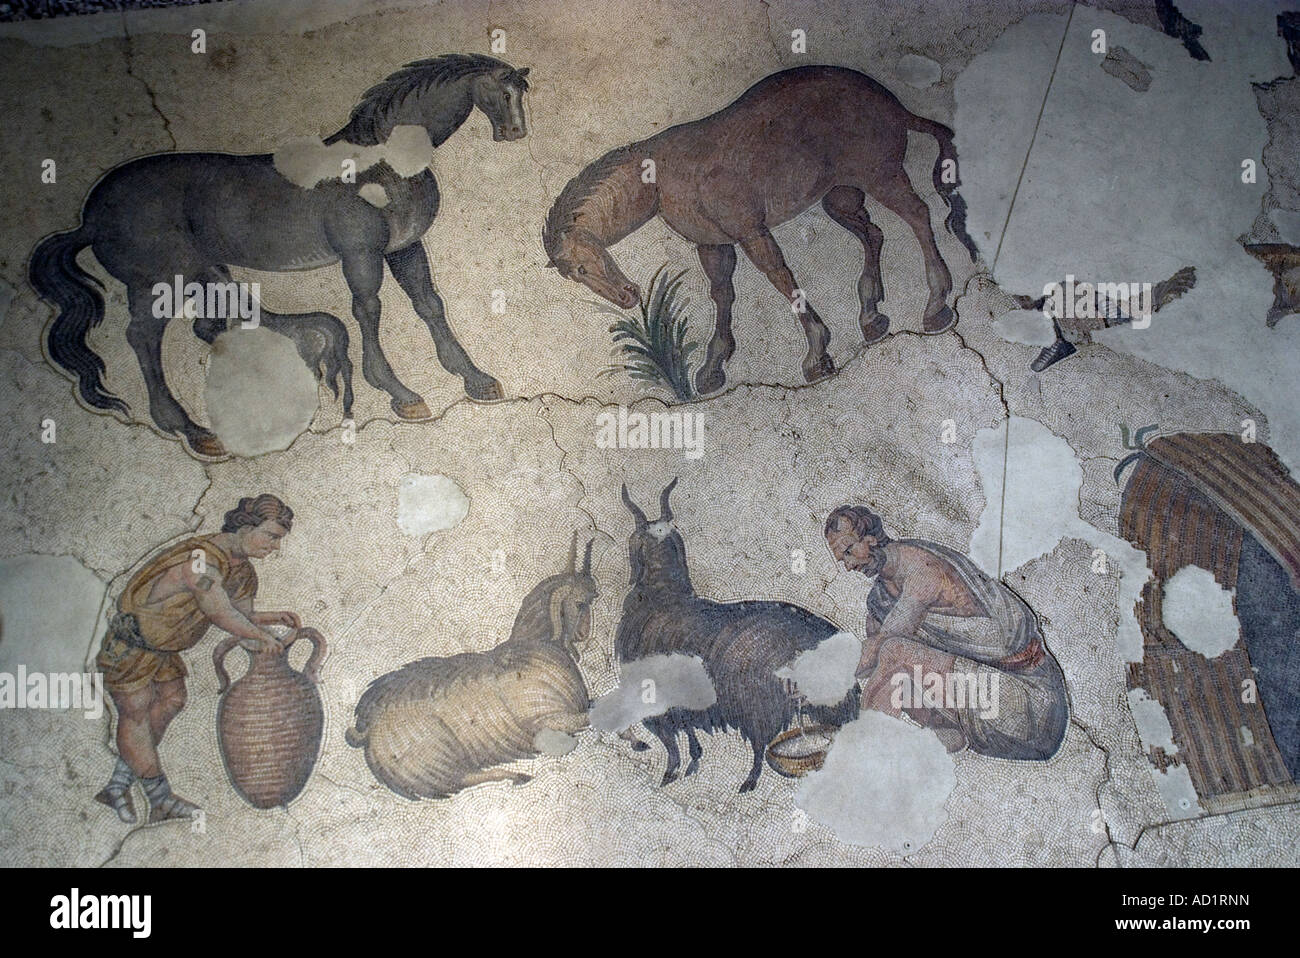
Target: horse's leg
<point>320,338</point>
<point>897,194</point>
<point>846,206</point>
<point>410,267</point>
<point>695,750</point>
<point>208,328</point>
<point>719,264</point>
<point>763,252</point>
<point>364,271</point>
<point>666,731</point>
<point>145,334</point>
<point>756,770</point>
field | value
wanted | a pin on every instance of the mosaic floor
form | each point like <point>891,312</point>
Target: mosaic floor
<point>651,434</point>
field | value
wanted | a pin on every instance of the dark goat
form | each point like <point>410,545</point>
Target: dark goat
<point>742,645</point>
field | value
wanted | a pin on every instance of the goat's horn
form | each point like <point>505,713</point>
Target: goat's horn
<point>573,552</point>
<point>665,510</point>
<point>586,559</point>
<point>633,508</point>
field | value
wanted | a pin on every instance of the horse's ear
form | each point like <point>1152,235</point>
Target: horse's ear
<point>523,72</point>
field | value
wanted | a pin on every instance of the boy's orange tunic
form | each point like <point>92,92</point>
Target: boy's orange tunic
<point>172,625</point>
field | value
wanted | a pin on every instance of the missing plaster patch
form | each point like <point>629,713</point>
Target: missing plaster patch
<point>374,194</point>
<point>918,71</point>
<point>1152,722</point>
<point>884,783</point>
<point>825,674</point>
<point>1040,503</point>
<point>429,504</point>
<point>1026,326</point>
<point>307,161</point>
<point>651,686</point>
<point>1199,611</point>
<point>260,395</point>
<point>551,741</point>
<point>49,613</point>
<point>1178,792</point>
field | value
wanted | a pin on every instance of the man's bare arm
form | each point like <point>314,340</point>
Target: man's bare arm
<point>214,603</point>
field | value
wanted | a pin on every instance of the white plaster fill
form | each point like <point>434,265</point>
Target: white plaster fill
<point>1183,200</point>
<point>1178,792</point>
<point>1199,611</point>
<point>884,783</point>
<point>429,504</point>
<point>825,674</point>
<point>551,741</point>
<point>259,394</point>
<point>307,161</point>
<point>1027,326</point>
<point>919,71</point>
<point>374,194</point>
<point>1042,508</point>
<point>1152,721</point>
<point>651,686</point>
<point>49,613</point>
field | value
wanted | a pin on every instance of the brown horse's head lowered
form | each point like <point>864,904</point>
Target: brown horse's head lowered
<point>801,137</point>
<point>601,205</point>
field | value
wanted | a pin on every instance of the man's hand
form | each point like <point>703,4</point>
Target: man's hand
<point>265,643</point>
<point>289,619</point>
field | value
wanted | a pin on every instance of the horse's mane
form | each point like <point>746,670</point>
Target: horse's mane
<point>416,78</point>
<point>577,193</point>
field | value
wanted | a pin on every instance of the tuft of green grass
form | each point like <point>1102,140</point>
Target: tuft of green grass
<point>653,347</point>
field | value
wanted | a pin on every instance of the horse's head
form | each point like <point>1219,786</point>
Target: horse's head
<point>499,93</point>
<point>579,256</point>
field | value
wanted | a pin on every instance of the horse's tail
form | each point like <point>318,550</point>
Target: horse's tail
<point>55,275</point>
<point>956,221</point>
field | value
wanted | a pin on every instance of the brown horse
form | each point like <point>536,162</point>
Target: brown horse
<point>799,136</point>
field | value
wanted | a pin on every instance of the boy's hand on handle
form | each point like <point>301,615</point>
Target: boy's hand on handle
<point>288,619</point>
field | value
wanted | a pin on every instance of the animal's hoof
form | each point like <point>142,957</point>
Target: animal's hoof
<point>206,444</point>
<point>1053,354</point>
<point>522,779</point>
<point>640,747</point>
<point>824,368</point>
<point>709,381</point>
<point>412,411</point>
<point>668,778</point>
<point>747,785</point>
<point>487,390</point>
<point>940,322</point>
<point>875,330</point>
<point>692,768</point>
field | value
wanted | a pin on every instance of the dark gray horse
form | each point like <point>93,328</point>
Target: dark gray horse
<point>194,214</point>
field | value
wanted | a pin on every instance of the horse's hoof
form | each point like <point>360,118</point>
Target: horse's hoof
<point>412,411</point>
<point>747,785</point>
<point>940,322</point>
<point>668,778</point>
<point>206,444</point>
<point>1053,354</point>
<point>489,390</point>
<point>709,381</point>
<point>824,368</point>
<point>874,331</point>
<point>640,747</point>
